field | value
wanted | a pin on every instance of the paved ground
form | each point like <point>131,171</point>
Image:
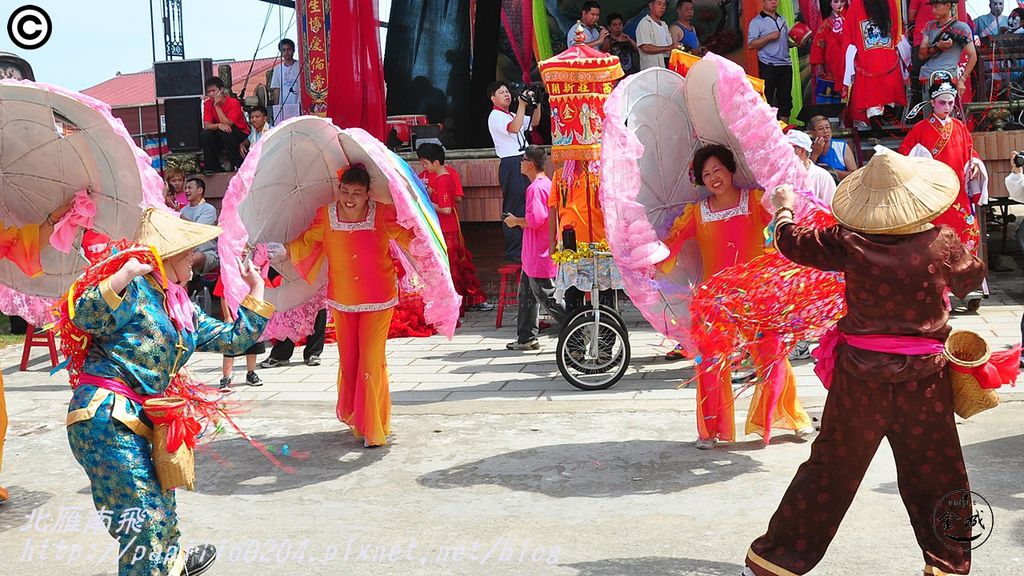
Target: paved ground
<point>498,467</point>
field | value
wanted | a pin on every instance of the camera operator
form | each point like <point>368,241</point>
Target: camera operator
<point>944,40</point>
<point>595,35</point>
<point>508,131</point>
<point>1015,188</point>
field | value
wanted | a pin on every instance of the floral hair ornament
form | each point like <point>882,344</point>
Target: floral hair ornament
<point>342,171</point>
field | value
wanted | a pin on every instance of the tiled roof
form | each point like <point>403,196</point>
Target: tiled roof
<point>137,88</point>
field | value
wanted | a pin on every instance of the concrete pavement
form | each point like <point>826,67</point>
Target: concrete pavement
<point>497,467</point>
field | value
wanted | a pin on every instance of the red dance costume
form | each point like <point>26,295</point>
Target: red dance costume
<point>878,72</point>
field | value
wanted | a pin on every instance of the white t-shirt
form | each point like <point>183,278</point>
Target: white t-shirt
<point>506,144</point>
<point>656,34</point>
<point>286,79</point>
<point>823,185</point>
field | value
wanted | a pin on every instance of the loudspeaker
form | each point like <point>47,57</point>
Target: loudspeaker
<point>176,78</point>
<point>183,118</point>
<point>426,133</point>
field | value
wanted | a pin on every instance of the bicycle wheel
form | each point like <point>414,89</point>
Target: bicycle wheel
<point>576,357</point>
<point>606,311</point>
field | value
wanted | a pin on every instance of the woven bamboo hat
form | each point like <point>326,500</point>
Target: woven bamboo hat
<point>895,194</point>
<point>171,235</point>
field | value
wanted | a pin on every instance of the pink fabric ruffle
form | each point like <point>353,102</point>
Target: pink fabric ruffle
<point>36,310</point>
<point>634,241</point>
<point>296,323</point>
<point>234,237</point>
<point>765,148</point>
<point>81,215</point>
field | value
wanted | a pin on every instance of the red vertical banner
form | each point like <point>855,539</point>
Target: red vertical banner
<point>356,99</point>
<point>314,17</point>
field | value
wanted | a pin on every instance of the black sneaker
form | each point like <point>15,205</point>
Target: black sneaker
<point>253,380</point>
<point>313,361</point>
<point>272,362</point>
<point>199,559</point>
<point>225,382</point>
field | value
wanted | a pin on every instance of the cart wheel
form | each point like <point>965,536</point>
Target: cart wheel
<point>606,312</point>
<point>588,371</point>
<point>974,304</point>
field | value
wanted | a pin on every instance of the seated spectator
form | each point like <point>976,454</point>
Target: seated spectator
<point>835,156</point>
<point>683,32</point>
<point>224,127</point>
<point>260,126</point>
<point>822,184</point>
<point>594,35</point>
<point>204,257</point>
<point>653,37</point>
<point>618,43</point>
<point>945,41</point>
<point>169,200</point>
<point>175,179</point>
<point>993,23</point>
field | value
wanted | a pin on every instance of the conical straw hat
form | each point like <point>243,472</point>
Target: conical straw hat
<point>171,235</point>
<point>894,194</point>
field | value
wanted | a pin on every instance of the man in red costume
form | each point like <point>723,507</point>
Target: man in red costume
<point>948,140</point>
<point>873,68</point>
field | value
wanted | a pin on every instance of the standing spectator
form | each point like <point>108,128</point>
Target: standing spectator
<point>920,13</point>
<point>993,23</point>
<point>536,286</point>
<point>204,256</point>
<point>823,186</point>
<point>594,35</point>
<point>944,41</point>
<point>683,32</point>
<point>282,351</point>
<point>224,127</point>
<point>873,67</point>
<point>618,43</point>
<point>284,83</point>
<point>508,132</point>
<point>827,49</point>
<point>769,35</point>
<point>834,155</point>
<point>653,38</point>
<point>260,126</point>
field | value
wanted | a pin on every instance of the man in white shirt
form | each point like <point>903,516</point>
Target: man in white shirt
<point>654,38</point>
<point>1015,188</point>
<point>508,131</point>
<point>822,184</point>
<point>284,84</point>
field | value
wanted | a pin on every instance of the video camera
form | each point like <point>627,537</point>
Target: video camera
<point>533,93</point>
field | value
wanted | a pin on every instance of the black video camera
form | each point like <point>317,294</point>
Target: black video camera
<point>533,94</point>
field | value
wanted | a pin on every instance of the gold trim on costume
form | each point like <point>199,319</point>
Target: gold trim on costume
<point>934,571</point>
<point>761,562</point>
<point>261,307</point>
<point>89,411</point>
<point>113,299</point>
<point>119,412</point>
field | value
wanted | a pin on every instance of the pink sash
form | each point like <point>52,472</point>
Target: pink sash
<point>115,386</point>
<point>825,354</point>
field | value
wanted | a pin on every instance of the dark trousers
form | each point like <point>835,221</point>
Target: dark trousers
<point>314,342</point>
<point>534,293</point>
<point>214,141</point>
<point>916,416</point>
<point>513,201</point>
<point>778,87</point>
<point>574,299</point>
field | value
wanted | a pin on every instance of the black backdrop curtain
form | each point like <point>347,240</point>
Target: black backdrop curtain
<point>426,64</point>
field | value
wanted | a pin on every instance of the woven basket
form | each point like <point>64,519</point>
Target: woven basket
<point>177,470</point>
<point>968,350</point>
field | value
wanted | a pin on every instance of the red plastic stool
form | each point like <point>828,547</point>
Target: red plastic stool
<point>506,297</point>
<point>42,339</point>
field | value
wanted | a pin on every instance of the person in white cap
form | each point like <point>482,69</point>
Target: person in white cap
<point>823,186</point>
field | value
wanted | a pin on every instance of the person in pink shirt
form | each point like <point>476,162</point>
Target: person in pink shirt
<point>536,287</point>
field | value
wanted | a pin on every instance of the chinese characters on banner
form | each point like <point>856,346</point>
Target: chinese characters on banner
<point>314,40</point>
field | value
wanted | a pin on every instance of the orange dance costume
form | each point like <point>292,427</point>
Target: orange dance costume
<point>362,290</point>
<point>725,238</point>
<point>20,246</point>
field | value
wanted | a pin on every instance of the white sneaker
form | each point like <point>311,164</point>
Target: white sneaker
<point>747,572</point>
<point>802,351</point>
<point>802,432</point>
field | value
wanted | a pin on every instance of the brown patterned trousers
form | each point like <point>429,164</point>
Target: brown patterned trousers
<point>916,417</point>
